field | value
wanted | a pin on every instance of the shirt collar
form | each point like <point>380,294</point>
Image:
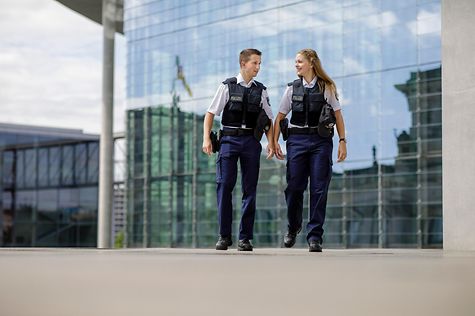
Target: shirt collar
<point>240,80</point>
<point>310,84</point>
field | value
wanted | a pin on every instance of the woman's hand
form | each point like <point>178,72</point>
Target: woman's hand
<point>278,152</point>
<point>341,151</point>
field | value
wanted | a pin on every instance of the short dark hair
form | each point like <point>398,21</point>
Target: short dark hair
<point>245,54</point>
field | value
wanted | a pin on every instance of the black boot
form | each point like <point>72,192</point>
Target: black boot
<point>314,246</point>
<point>223,243</point>
<point>290,238</point>
<point>245,245</point>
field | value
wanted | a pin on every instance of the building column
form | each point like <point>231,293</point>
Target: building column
<point>106,161</point>
<point>458,126</point>
<point>1,196</point>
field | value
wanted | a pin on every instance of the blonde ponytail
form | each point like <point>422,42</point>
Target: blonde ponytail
<point>323,79</point>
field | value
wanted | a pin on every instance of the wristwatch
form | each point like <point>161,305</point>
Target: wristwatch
<point>342,140</point>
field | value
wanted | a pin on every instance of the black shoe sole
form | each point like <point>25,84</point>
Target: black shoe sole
<point>244,249</point>
<point>221,248</point>
<point>314,250</point>
<point>289,245</point>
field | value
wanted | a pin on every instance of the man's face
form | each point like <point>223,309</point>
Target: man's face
<point>252,66</point>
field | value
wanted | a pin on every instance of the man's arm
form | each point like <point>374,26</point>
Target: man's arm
<point>207,125</point>
<point>270,141</point>
<point>270,132</point>
<point>215,108</point>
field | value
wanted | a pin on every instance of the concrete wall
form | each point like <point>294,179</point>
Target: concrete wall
<point>458,123</point>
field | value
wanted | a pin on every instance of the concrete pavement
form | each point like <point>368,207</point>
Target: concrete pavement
<point>265,282</point>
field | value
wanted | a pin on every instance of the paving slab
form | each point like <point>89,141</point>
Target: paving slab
<point>58,281</point>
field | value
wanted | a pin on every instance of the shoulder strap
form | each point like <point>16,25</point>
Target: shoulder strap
<point>297,87</point>
<point>230,80</point>
<point>297,83</point>
<point>260,85</point>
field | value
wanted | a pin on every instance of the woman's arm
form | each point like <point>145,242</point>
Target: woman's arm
<point>340,127</point>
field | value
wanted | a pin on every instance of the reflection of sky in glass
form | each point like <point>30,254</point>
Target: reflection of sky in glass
<point>368,47</point>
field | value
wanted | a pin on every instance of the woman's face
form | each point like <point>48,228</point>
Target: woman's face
<point>303,66</point>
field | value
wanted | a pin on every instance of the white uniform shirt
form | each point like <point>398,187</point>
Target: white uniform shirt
<point>286,103</point>
<point>222,96</point>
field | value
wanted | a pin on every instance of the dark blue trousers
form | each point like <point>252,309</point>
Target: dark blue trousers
<point>308,156</point>
<point>248,150</point>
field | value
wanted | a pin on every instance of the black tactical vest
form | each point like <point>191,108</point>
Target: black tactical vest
<point>244,104</point>
<point>307,104</point>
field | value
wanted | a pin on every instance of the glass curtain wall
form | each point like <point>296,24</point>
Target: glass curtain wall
<point>49,194</point>
<point>385,59</point>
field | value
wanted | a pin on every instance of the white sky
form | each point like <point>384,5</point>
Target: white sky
<point>51,67</point>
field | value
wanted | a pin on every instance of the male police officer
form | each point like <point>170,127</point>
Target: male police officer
<point>240,99</point>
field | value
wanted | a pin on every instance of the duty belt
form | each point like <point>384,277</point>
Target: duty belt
<point>304,130</point>
<point>237,132</point>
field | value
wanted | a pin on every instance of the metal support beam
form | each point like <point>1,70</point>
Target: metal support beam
<point>106,160</point>
<point>92,9</point>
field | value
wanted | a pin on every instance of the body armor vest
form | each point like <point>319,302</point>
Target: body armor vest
<point>244,104</point>
<point>307,104</point>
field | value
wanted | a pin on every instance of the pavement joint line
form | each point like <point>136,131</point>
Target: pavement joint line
<point>266,252</point>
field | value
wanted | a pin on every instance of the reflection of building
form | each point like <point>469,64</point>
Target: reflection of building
<point>48,186</point>
<point>354,205</point>
<point>375,200</point>
<point>367,206</point>
<point>420,155</point>
<point>171,183</point>
<point>399,205</point>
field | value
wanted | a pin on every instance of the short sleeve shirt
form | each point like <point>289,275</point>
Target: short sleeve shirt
<point>222,97</point>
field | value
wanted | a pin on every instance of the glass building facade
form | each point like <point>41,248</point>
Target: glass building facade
<point>49,181</point>
<point>385,59</point>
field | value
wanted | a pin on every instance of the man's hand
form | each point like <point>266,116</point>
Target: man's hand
<point>278,152</point>
<point>270,150</point>
<point>207,148</point>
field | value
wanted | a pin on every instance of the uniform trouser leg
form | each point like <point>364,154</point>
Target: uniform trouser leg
<point>249,159</point>
<point>320,175</point>
<point>226,175</point>
<point>297,179</point>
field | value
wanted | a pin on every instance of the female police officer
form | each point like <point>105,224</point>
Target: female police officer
<point>240,99</point>
<point>309,146</point>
